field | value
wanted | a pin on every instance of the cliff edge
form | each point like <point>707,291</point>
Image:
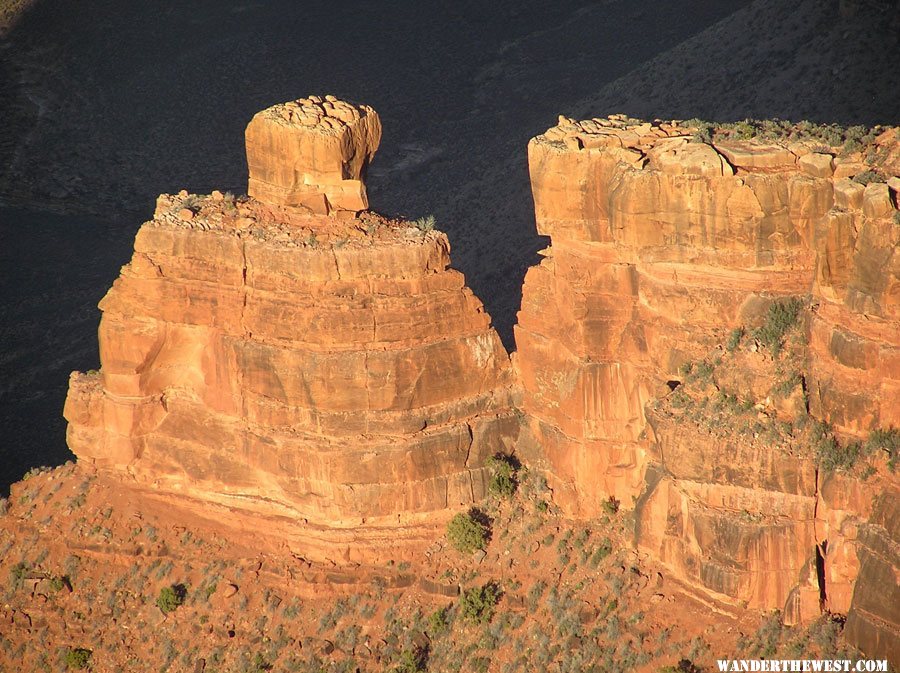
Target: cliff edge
<point>712,338</point>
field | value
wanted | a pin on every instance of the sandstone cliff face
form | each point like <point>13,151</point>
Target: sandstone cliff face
<point>661,245</point>
<point>280,360</point>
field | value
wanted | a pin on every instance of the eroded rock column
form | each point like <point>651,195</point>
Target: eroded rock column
<point>261,353</point>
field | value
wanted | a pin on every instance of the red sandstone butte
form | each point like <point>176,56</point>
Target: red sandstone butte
<point>661,244</point>
<point>312,152</point>
<point>287,362</point>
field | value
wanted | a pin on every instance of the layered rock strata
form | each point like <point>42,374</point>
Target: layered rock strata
<point>662,243</point>
<point>312,152</point>
<point>274,359</point>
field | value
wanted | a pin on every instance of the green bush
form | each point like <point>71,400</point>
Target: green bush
<point>830,453</point>
<point>611,506</point>
<point>886,439</point>
<point>703,130</point>
<point>77,657</point>
<point>18,573</point>
<point>425,224</point>
<point>60,582</point>
<point>439,622</point>
<point>412,660</point>
<point>171,597</point>
<point>478,603</point>
<point>602,551</point>
<point>867,177</point>
<point>468,532</point>
<point>504,475</point>
<point>782,316</point>
<point>734,339</point>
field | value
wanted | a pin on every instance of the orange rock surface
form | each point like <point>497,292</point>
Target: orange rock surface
<point>662,244</point>
<point>261,356</point>
<point>312,152</point>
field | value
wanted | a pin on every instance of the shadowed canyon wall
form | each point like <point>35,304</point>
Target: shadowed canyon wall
<point>663,245</point>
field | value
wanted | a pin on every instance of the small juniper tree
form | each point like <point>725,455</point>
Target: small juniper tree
<point>468,532</point>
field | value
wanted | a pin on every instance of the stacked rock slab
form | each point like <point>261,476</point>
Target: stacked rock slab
<point>312,152</point>
<point>661,243</point>
<point>274,359</point>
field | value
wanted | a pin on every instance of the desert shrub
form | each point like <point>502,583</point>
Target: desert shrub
<point>259,664</point>
<point>884,439</point>
<point>703,130</point>
<point>603,550</point>
<point>425,224</point>
<point>412,660</point>
<point>439,622</point>
<point>581,538</point>
<point>764,643</point>
<point>504,475</point>
<point>734,339</point>
<point>782,316</point>
<point>611,505</point>
<point>171,597</point>
<point>478,603</point>
<point>831,454</point>
<point>77,657</point>
<point>702,370</point>
<point>786,386</point>
<point>867,177</point>
<point>745,130</point>
<point>824,632</point>
<point>35,471</point>
<point>18,573</point>
<point>534,594</point>
<point>60,582</point>
<point>683,666</point>
<point>468,532</point>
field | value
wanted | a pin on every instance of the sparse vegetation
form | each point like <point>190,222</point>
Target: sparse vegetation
<point>887,440</point>
<point>734,339</point>
<point>783,315</point>
<point>77,658</point>
<point>425,224</point>
<point>830,136</point>
<point>868,177</point>
<point>412,660</point>
<point>834,454</point>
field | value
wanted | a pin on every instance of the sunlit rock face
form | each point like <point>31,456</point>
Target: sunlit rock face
<point>664,242</point>
<point>274,354</point>
<point>312,152</point>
